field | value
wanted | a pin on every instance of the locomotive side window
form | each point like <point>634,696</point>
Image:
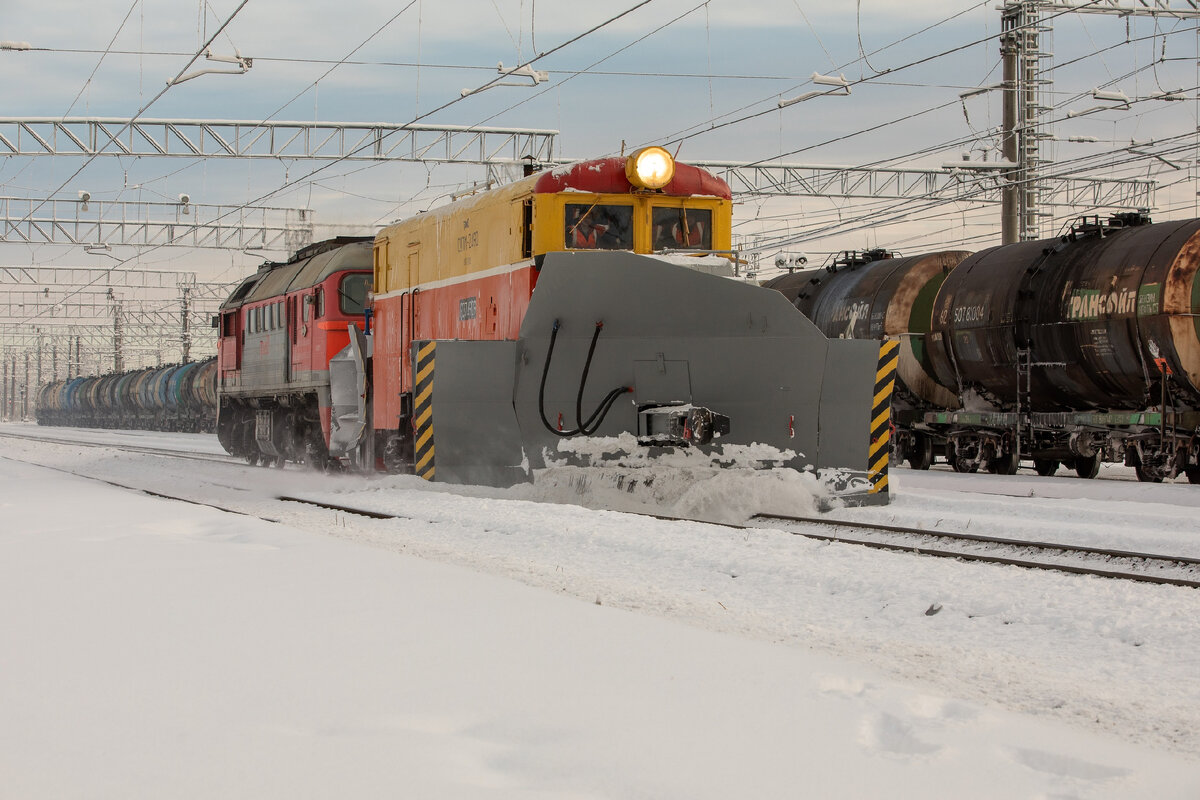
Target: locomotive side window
<point>320,312</point>
<point>682,228</point>
<point>352,293</point>
<point>599,227</point>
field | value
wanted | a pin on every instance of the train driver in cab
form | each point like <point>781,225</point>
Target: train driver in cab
<point>599,227</point>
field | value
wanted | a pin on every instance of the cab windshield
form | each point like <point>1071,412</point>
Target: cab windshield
<point>352,293</point>
<point>599,227</point>
<point>681,228</point>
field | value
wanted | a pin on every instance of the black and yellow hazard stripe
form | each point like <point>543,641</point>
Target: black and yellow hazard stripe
<point>881,417</point>
<point>423,411</point>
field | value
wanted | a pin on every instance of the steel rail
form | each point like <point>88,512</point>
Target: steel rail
<point>1065,549</point>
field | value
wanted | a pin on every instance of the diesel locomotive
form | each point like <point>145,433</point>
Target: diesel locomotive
<point>1072,351</point>
<point>576,317</point>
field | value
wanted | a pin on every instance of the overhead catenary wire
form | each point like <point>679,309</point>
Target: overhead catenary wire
<point>322,168</point>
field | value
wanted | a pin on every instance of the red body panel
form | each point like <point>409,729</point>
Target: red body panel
<point>483,309</point>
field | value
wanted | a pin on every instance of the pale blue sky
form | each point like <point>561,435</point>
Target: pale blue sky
<point>719,62</point>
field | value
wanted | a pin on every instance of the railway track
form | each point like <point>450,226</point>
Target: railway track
<point>1130,565</point>
<point>1101,562</point>
<point>1142,567</point>
<point>132,448</point>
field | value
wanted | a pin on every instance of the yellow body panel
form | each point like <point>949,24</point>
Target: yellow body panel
<point>488,230</point>
<point>471,235</point>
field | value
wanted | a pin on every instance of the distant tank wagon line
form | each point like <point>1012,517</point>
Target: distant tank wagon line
<point>178,397</point>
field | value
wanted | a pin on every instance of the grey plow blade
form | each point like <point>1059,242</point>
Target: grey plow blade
<point>679,339</point>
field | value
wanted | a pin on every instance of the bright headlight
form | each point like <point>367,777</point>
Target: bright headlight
<point>650,168</point>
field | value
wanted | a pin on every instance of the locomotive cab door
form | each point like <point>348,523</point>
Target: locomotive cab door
<point>289,338</point>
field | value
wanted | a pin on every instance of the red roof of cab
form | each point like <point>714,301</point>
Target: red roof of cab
<point>607,176</point>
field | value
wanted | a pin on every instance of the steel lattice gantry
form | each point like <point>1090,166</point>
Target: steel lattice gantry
<point>33,221</point>
<point>783,180</point>
<point>353,141</point>
<point>1187,9</point>
<point>106,318</point>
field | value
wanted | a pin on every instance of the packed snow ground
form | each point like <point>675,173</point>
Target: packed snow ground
<point>486,644</point>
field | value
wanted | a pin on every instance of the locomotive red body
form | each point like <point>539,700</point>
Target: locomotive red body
<point>276,335</point>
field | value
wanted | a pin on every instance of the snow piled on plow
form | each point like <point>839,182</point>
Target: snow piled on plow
<point>729,487</point>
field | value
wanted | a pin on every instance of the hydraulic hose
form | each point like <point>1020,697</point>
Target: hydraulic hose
<point>593,422</point>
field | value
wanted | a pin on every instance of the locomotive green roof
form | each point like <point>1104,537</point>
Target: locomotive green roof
<point>308,270</point>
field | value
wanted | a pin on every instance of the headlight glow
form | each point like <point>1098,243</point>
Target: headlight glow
<point>650,168</point>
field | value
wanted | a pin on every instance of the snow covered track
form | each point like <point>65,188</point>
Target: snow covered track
<point>1090,656</point>
<point>1145,567</point>
<point>171,452</point>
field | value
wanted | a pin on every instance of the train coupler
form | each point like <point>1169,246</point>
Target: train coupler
<point>679,425</point>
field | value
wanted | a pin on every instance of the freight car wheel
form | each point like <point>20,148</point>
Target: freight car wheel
<point>1006,464</point>
<point>1088,468</point>
<point>1148,474</point>
<point>922,452</point>
<point>1045,466</point>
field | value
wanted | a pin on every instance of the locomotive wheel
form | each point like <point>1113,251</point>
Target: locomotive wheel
<point>1088,468</point>
<point>1045,466</point>
<point>252,459</point>
<point>398,455</point>
<point>922,452</point>
<point>1193,474</point>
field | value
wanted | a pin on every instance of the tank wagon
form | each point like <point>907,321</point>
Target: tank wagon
<point>1077,350</point>
<point>1072,351</point>
<point>178,397</point>
<point>576,317</point>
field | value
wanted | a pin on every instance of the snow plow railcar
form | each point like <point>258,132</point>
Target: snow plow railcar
<point>574,318</point>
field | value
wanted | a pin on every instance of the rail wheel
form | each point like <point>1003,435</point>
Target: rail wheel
<point>1088,467</point>
<point>1193,474</point>
<point>252,459</point>
<point>1006,464</point>
<point>398,455</point>
<point>1045,466</point>
<point>1148,474</point>
<point>922,452</point>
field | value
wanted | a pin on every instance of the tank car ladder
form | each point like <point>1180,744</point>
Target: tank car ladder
<point>1024,394</point>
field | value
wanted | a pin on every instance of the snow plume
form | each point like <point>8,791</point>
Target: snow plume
<point>728,487</point>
